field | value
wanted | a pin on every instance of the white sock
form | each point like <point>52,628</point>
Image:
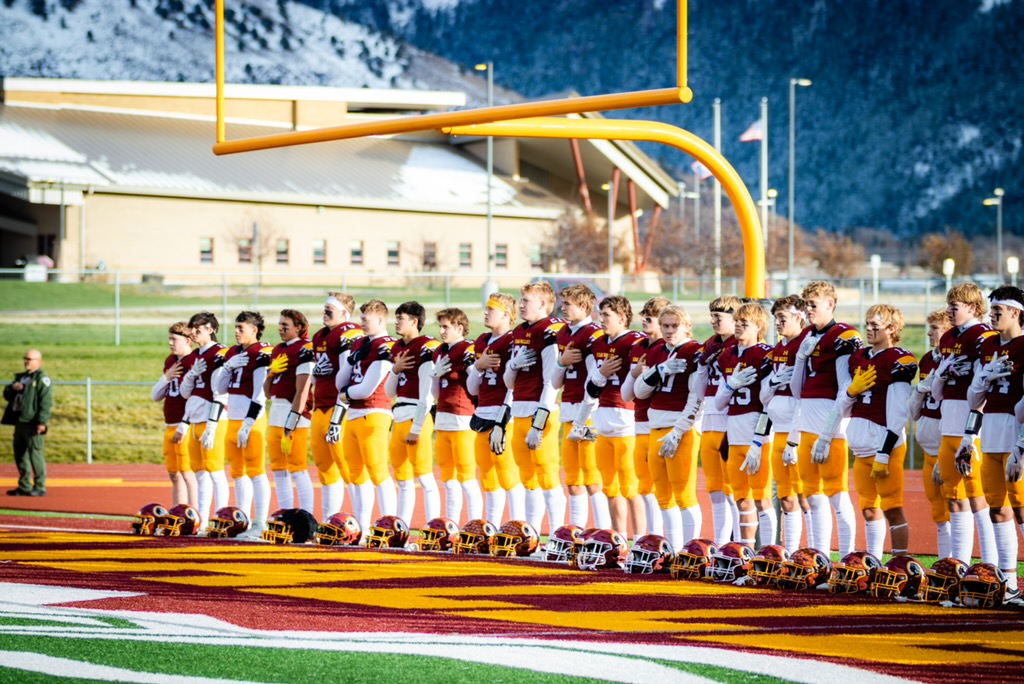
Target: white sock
<point>474,500</point>
<point>846,522</point>
<point>243,496</point>
<point>204,491</point>
<point>332,498</point>
<point>672,520</point>
<point>792,526</point>
<point>768,526</point>
<point>387,498</point>
<point>602,514</point>
<point>942,539</point>
<point>874,531</point>
<point>534,508</point>
<point>653,510</point>
<point>221,492</point>
<point>283,485</point>
<point>895,551</point>
<point>821,522</point>
<point>1006,541</point>
<point>362,503</point>
<point>692,521</point>
<point>578,510</point>
<point>721,517</point>
<point>734,511</point>
<point>453,501</point>
<point>261,497</point>
<point>406,499</point>
<point>516,503</point>
<point>986,537</point>
<point>961,535</point>
<point>554,502</point>
<point>494,504</point>
<point>809,526</point>
<point>431,496</point>
<point>353,492</point>
<point>304,490</point>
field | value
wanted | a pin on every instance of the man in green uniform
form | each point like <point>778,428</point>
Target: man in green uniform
<point>30,403</point>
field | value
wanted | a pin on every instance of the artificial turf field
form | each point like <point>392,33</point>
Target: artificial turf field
<point>82,601</point>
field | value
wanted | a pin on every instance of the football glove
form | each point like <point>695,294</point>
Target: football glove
<point>197,369</point>
<point>820,450</point>
<point>278,365</point>
<point>936,476</point>
<point>582,433</point>
<point>240,360</point>
<point>1015,463</point>
<point>523,359</point>
<point>998,367</point>
<point>742,378</point>
<point>752,463</point>
<point>672,365</point>
<point>863,380</point>
<point>966,455</point>
<point>782,376</point>
<point>789,455</point>
<point>441,368</point>
<point>670,443</point>
<point>806,348</point>
<point>243,432</point>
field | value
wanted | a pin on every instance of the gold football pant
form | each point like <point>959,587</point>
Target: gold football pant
<point>645,485</point>
<point>497,471</point>
<point>940,511</point>
<point>409,461</point>
<point>295,462</point>
<point>956,487</point>
<point>329,458</point>
<point>716,475</point>
<point>249,461</point>
<point>999,492</point>
<point>886,493</point>
<point>675,479</point>
<point>830,477</point>
<point>455,455</point>
<point>210,460</point>
<point>615,461</point>
<point>366,448</point>
<point>579,460</point>
<point>538,468</point>
<point>756,487</point>
<point>787,478</point>
<point>176,456</point>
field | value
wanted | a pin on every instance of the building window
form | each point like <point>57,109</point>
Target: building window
<point>206,250</point>
<point>535,258</point>
<point>394,247</point>
<point>356,252</point>
<point>465,255</point>
<point>429,256</point>
<point>501,255</point>
<point>282,251</point>
<point>244,251</point>
<point>320,252</point>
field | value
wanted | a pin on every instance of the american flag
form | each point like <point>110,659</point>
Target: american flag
<point>753,133</point>
<point>702,171</point>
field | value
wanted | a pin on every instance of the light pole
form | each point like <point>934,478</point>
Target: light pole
<point>793,83</point>
<point>1013,268</point>
<point>948,269</point>
<point>997,202</point>
<point>490,285</point>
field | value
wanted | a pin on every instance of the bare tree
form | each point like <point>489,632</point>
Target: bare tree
<point>937,247</point>
<point>837,255</point>
<point>255,236</point>
<point>579,242</point>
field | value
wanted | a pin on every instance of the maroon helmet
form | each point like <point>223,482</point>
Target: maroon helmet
<point>853,573</point>
<point>180,521</point>
<point>476,537</point>
<point>440,534</point>
<point>901,576</point>
<point>806,569</point>
<point>577,546</point>
<point>144,522</point>
<point>731,562</point>
<point>603,549</point>
<point>651,553</point>
<point>228,522</point>
<point>559,548</point>
<point>515,538</point>
<point>694,559</point>
<point>984,586</point>
<point>766,564</point>
<point>389,531</point>
<point>944,580</point>
<point>341,529</point>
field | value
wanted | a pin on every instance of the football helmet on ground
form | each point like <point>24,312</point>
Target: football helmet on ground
<point>693,561</point>
<point>227,522</point>
<point>984,586</point>
<point>476,537</point>
<point>144,522</point>
<point>439,534</point>
<point>766,564</point>
<point>944,580</point>
<point>806,569</point>
<point>515,538</point>
<point>853,573</point>
<point>341,529</point>
<point>731,562</point>
<point>559,548</point>
<point>651,553</point>
<point>389,531</point>
<point>603,549</point>
<point>180,521</point>
<point>290,525</point>
<point>901,577</point>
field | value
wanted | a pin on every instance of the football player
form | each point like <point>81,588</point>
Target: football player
<point>877,399</point>
<point>206,449</point>
<point>712,425</point>
<point>332,345</point>
<point>241,372</point>
<point>168,390</point>
<point>822,369</point>
<point>530,373</point>
<point>674,391</point>
<point>614,418</point>
<point>409,384</point>
<point>743,366</point>
<point>454,436</point>
<point>486,381</point>
<point>961,481</point>
<point>288,383</point>
<point>998,386</point>
<point>367,415</point>
<point>574,341</point>
<point>781,406</point>
<point>649,317</point>
<point>925,410</point>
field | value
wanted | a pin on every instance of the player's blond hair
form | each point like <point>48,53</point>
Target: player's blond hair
<point>725,304</point>
<point>820,289</point>
<point>543,290</point>
<point>889,316</point>
<point>969,294</point>
<point>755,314</point>
<point>620,305</point>
<point>456,317</point>
<point>181,328</point>
<point>940,316</point>
<point>507,302</point>
<point>580,295</point>
<point>654,306</point>
<point>374,306</point>
<point>678,313</point>
<point>347,301</point>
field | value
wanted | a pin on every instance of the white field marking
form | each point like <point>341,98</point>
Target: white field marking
<point>19,594</point>
<point>65,667</point>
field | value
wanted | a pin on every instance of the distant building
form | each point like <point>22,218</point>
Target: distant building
<point>122,174</point>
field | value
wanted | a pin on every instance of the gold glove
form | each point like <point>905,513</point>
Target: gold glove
<point>278,365</point>
<point>286,445</point>
<point>863,380</point>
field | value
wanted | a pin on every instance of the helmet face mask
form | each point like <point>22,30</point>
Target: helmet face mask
<point>766,564</point>
<point>341,529</point>
<point>476,538</point>
<point>180,521</point>
<point>694,561</point>
<point>145,520</point>
<point>388,532</point>
<point>290,526</point>
<point>730,562</point>
<point>440,534</point>
<point>560,546</point>
<point>578,543</point>
<point>651,553</point>
<point>806,569</point>
<point>227,523</point>
<point>515,538</point>
<point>984,586</point>
<point>944,580</point>
<point>902,577</point>
<point>853,573</point>
<point>604,549</point>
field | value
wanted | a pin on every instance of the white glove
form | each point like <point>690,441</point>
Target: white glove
<point>752,463</point>
<point>582,433</point>
<point>782,376</point>
<point>807,346</point>
<point>209,436</point>
<point>820,450</point>
<point>497,439</point>
<point>337,416</point>
<point>523,359</point>
<point>243,432</point>
<point>240,360</point>
<point>672,365</point>
<point>953,366</point>
<point>1015,463</point>
<point>998,367</point>
<point>670,443</point>
<point>789,455</point>
<point>966,455</point>
<point>533,438</point>
<point>742,378</point>
<point>333,434</point>
<point>936,476</point>
<point>443,365</point>
<point>925,386</point>
<point>197,369</point>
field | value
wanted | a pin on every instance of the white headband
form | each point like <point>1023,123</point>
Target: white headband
<point>333,301</point>
<point>1008,302</point>
<point>796,312</point>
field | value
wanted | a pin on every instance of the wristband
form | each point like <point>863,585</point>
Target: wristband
<point>652,377</point>
<point>291,421</point>
<point>338,414</point>
<point>890,442</point>
<point>593,390</point>
<point>504,415</point>
<point>216,409</point>
<point>973,423</point>
<point>254,410</point>
<point>764,425</point>
<point>540,416</point>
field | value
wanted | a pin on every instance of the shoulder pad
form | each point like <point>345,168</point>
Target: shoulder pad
<point>469,354</point>
<point>430,345</point>
<point>306,353</point>
<point>905,367</point>
<point>636,338</point>
<point>263,357</point>
<point>223,351</point>
<point>848,341</point>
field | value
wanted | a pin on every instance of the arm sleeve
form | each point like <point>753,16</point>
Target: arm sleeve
<point>186,386</point>
<point>371,381</point>
<point>897,406</point>
<point>628,390</point>
<point>844,403</point>
<point>916,404</point>
<point>977,392</point>
<point>473,380</point>
<point>344,375</point>
<point>220,380</point>
<point>160,388</point>
<point>699,381</point>
<point>426,397</point>
<point>509,376</point>
<point>938,387</point>
<point>843,377</point>
<point>549,357</point>
<point>593,374</point>
<point>558,374</point>
<point>799,373</point>
<point>259,377</point>
<point>391,385</point>
<point>767,392</point>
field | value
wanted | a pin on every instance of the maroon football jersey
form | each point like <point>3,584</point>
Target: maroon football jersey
<point>174,403</point>
<point>637,354</point>
<point>328,345</point>
<point>422,350</point>
<point>298,353</point>
<point>241,378</point>
<point>675,389</point>
<point>605,349</point>
<point>746,399</point>
<point>492,383</point>
<point>1004,393</point>
<point>452,396</point>
<point>364,352</point>
<point>536,336</point>
<point>836,341</point>
<point>928,363</point>
<point>202,387</point>
<point>574,387</point>
<point>892,365</point>
<point>784,354</point>
<point>711,346</point>
<point>966,344</point>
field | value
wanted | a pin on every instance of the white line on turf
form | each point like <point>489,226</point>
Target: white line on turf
<point>66,667</point>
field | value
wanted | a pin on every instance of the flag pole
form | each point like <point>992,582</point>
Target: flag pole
<point>717,109</point>
<point>764,173</point>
